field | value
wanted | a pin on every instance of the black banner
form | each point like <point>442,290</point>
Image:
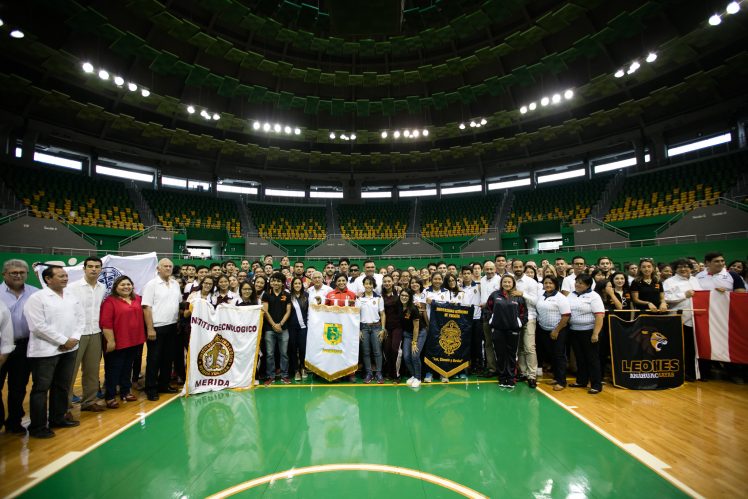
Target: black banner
<point>447,349</point>
<point>647,353</point>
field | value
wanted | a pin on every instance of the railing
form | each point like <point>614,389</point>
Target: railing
<point>491,230</point>
<point>336,236</point>
<point>148,230</point>
<point>699,204</point>
<point>14,216</point>
<point>55,217</point>
<point>609,227</point>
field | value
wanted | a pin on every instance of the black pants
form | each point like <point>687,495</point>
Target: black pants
<point>476,347</point>
<point>17,368</point>
<point>159,358</point>
<point>689,347</point>
<point>52,377</point>
<point>505,344</point>
<point>181,344</point>
<point>603,347</point>
<point>296,349</point>
<point>117,369</point>
<point>555,351</point>
<point>588,359</point>
<point>137,363</point>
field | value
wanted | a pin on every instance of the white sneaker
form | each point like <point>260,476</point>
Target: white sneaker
<point>257,382</point>
<point>445,379</point>
<point>304,374</point>
<point>416,383</point>
<point>410,381</point>
<point>428,378</point>
<point>539,372</point>
<point>297,376</point>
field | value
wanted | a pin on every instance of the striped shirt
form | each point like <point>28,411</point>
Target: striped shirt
<point>584,308</point>
<point>551,309</point>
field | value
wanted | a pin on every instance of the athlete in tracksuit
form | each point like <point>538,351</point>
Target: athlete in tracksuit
<point>509,315</point>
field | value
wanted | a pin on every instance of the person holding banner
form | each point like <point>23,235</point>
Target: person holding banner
<point>341,295</point>
<point>508,317</point>
<point>679,290</point>
<point>553,316</point>
<point>276,305</point>
<point>435,292</point>
<point>414,336</point>
<point>124,330</point>
<point>646,290</point>
<point>393,333</point>
<point>585,323</point>
<point>222,294</point>
<point>471,297</point>
<point>372,329</point>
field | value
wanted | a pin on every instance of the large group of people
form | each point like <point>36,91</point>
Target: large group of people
<point>526,317</point>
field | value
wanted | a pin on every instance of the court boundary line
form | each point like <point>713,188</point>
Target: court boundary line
<point>631,449</point>
<point>40,478</point>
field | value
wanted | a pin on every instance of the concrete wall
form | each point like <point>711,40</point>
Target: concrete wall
<point>412,246</point>
<point>336,248</point>
<point>708,220</point>
<point>41,233</point>
<point>592,233</point>
<point>160,241</point>
<point>257,246</point>
<point>486,242</point>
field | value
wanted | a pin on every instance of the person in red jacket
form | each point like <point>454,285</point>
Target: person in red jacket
<point>341,295</point>
<point>508,316</point>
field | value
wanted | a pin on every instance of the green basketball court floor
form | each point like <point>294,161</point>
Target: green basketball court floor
<point>332,440</point>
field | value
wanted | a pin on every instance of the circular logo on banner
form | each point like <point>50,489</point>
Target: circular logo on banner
<point>332,333</point>
<point>108,276</point>
<point>450,337</point>
<point>215,358</point>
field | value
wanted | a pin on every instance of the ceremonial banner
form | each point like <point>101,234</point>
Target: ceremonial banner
<point>722,326</point>
<point>447,348</point>
<point>332,341</point>
<point>139,268</point>
<point>647,353</point>
<point>224,344</point>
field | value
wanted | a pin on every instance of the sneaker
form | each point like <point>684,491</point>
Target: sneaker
<point>557,387</point>
<point>76,399</point>
<point>532,383</point>
<point>269,381</point>
<point>428,378</point>
<point>416,383</point>
<point>352,378</point>
<point>286,380</point>
<point>410,381</point>
<point>462,376</point>
<point>297,377</point>
<point>445,379</point>
<point>304,374</point>
<point>100,395</point>
<point>368,378</point>
<point>593,391</point>
<point>380,379</point>
<point>257,382</point>
<point>539,372</point>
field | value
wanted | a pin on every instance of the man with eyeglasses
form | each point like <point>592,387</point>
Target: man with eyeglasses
<point>578,267</point>
<point>357,280</point>
<point>14,292</point>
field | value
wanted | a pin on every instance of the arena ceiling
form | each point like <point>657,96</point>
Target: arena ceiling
<point>221,74</point>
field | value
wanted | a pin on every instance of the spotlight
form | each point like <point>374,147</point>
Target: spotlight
<point>384,135</point>
<point>651,57</point>
<point>145,92</point>
<point>276,128</point>
<point>523,109</point>
<point>297,131</point>
<point>473,124</point>
<point>532,106</point>
<point>619,73</point>
<point>634,66</point>
<point>191,109</point>
<point>17,33</point>
<point>544,101</point>
<point>715,20</point>
<point>396,134</point>
<point>415,134</point>
<point>287,130</point>
<point>205,114</point>
<point>256,125</point>
<point>266,127</point>
<point>425,133</point>
<point>483,121</point>
<point>733,7</point>
<point>332,135</point>
<point>406,133</point>
<point>353,136</point>
<point>88,67</point>
<point>343,136</point>
<point>216,116</point>
<point>119,81</point>
<point>2,23</point>
<point>103,75</point>
<point>568,94</point>
<point>556,98</point>
<point>132,87</point>
<point>462,126</point>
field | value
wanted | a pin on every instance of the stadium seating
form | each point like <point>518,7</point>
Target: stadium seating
<point>78,199</point>
<point>458,217</point>
<point>374,220</point>
<point>190,210</point>
<point>289,222</point>
<point>570,203</point>
<point>671,191</point>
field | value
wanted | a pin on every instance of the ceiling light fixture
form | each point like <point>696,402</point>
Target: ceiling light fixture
<point>287,130</point>
<point>266,127</point>
<point>384,134</point>
<point>17,34</point>
<point>145,92</point>
<point>568,94</point>
<point>103,74</point>
<point>425,133</point>
<point>132,87</point>
<point>556,98</point>
<point>732,8</point>
<point>461,126</point>
<point>191,109</point>
<point>87,67</point>
<point>277,128</point>
<point>651,57</point>
<point>619,73</point>
<point>332,135</point>
<point>545,101</point>
<point>256,125</point>
<point>532,106</point>
<point>297,131</point>
<point>396,134</point>
<point>119,81</point>
<point>523,110</point>
<point>715,20</point>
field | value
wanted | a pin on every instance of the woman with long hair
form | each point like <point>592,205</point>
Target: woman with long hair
<point>646,290</point>
<point>222,293</point>
<point>372,331</point>
<point>508,317</point>
<point>123,326</point>
<point>413,336</point>
<point>393,331</point>
<point>297,329</point>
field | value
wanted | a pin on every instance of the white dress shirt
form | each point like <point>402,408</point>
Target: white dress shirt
<point>163,297</point>
<point>7,344</point>
<point>675,295</point>
<point>488,286</point>
<point>568,283</point>
<point>321,293</point>
<point>529,288</point>
<point>357,286</point>
<point>53,320</point>
<point>90,299</point>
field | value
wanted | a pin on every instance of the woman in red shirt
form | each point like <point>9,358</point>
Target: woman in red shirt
<point>121,321</point>
<point>341,295</point>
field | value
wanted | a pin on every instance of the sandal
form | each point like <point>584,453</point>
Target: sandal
<point>129,398</point>
<point>112,404</point>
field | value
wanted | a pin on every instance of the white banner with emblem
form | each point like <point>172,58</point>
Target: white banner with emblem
<point>224,345</point>
<point>332,341</point>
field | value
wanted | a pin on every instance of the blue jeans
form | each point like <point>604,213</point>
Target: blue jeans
<point>270,339</point>
<point>370,343</point>
<point>413,361</point>
<point>117,370</point>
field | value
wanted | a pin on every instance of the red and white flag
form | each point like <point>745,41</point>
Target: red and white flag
<point>722,328</point>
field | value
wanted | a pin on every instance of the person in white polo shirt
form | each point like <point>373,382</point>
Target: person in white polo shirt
<point>372,333</point>
<point>370,270</point>
<point>678,292</point>
<point>56,323</point>
<point>318,290</point>
<point>553,315</point>
<point>527,288</point>
<point>161,296</point>
<point>90,293</point>
<point>578,267</point>
<point>585,323</point>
